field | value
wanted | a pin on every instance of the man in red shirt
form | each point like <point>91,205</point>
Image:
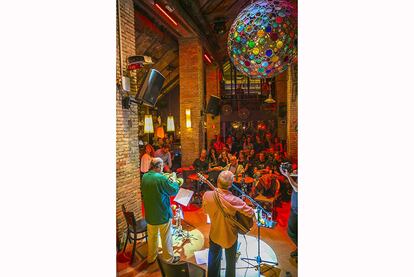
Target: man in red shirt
<point>223,234</point>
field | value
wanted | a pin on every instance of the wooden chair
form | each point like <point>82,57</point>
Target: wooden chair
<point>134,228</point>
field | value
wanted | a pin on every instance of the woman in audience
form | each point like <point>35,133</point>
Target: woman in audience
<point>258,145</point>
<point>146,158</point>
<point>224,158</point>
<point>248,145</point>
<point>212,157</point>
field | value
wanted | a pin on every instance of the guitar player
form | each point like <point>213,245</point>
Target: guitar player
<point>223,234</point>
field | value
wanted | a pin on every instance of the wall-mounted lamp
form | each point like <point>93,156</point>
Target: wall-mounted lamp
<point>188,118</point>
<point>148,125</point>
<point>170,124</point>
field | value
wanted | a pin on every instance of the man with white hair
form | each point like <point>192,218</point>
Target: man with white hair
<point>156,191</point>
<point>223,234</point>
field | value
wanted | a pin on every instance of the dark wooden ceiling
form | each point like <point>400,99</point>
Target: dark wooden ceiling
<point>158,38</point>
<point>209,14</point>
<point>195,17</point>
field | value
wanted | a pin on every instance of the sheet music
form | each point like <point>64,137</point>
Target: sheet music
<point>183,196</point>
<point>201,256</point>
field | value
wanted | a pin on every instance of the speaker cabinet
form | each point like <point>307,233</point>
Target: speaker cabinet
<point>151,88</point>
<point>213,106</point>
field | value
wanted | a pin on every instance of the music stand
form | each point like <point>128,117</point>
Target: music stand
<point>270,224</point>
<point>182,198</point>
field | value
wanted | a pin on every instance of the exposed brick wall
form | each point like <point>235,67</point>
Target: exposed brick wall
<point>191,96</point>
<point>127,151</point>
<point>212,88</point>
<point>292,113</point>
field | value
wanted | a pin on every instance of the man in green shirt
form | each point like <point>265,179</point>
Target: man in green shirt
<point>156,190</point>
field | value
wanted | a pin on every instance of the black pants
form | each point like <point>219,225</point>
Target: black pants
<point>293,227</point>
<point>214,260</point>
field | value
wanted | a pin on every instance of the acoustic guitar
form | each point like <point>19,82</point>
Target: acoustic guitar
<point>243,223</point>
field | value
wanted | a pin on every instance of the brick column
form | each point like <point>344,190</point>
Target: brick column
<point>191,97</point>
<point>292,114</point>
<point>212,88</point>
<point>127,151</point>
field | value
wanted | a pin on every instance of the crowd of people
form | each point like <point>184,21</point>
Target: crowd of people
<point>258,156</point>
<point>255,155</point>
<point>245,155</point>
<point>160,149</point>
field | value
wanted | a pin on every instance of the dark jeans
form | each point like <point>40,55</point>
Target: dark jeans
<point>214,260</point>
<point>293,227</point>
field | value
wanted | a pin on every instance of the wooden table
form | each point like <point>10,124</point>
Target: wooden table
<point>194,177</point>
<point>246,180</point>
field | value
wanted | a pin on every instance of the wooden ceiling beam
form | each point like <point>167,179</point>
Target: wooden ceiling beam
<point>206,41</point>
<point>218,5</point>
<point>166,59</point>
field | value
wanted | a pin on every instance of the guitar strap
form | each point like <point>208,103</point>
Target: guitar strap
<point>226,215</point>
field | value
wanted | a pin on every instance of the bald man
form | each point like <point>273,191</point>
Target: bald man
<point>222,233</point>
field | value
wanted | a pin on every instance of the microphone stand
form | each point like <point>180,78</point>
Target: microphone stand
<point>259,209</point>
<point>180,232</point>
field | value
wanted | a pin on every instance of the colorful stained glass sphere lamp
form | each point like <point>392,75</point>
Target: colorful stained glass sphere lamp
<point>262,40</point>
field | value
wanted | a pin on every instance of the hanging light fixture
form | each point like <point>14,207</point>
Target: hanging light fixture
<point>170,124</point>
<point>270,100</point>
<point>148,125</point>
<point>188,118</point>
<point>159,132</point>
<point>236,124</point>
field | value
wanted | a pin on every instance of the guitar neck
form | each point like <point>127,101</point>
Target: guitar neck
<point>206,181</point>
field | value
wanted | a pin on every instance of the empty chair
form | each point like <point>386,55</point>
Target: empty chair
<point>134,228</point>
<point>180,269</point>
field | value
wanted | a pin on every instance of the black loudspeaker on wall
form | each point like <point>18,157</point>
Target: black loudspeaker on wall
<point>151,88</point>
<point>213,106</point>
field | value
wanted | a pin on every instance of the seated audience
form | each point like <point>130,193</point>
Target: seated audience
<point>276,162</point>
<point>201,164</point>
<point>261,166</point>
<point>230,145</point>
<point>268,140</point>
<point>242,159</point>
<point>165,155</point>
<point>248,145</point>
<point>212,157</point>
<point>158,143</point>
<point>146,158</point>
<point>219,145</point>
<point>224,158</point>
<point>234,166</point>
<point>258,145</point>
